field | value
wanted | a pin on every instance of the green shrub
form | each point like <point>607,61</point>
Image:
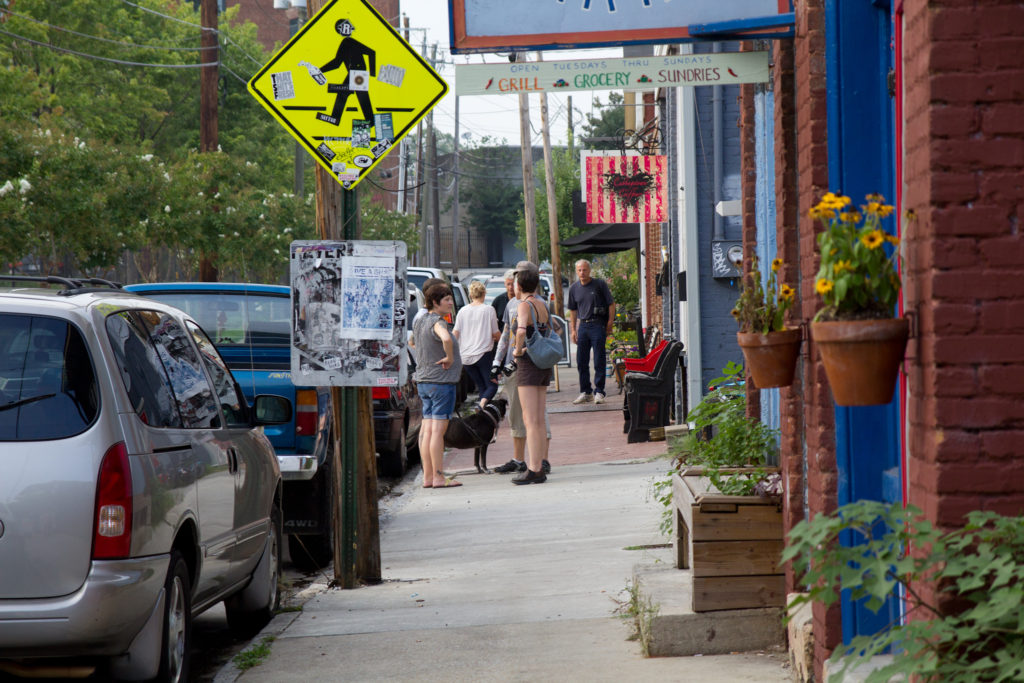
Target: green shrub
<point>980,567</point>
<point>724,437</point>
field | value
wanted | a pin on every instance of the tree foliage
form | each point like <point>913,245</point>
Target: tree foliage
<point>565,165</point>
<point>99,131</point>
<point>608,123</point>
<point>492,193</point>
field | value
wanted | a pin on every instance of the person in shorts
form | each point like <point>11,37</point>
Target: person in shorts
<point>517,428</point>
<point>438,368</point>
<point>531,316</point>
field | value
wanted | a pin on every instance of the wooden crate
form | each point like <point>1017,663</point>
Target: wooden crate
<point>731,543</point>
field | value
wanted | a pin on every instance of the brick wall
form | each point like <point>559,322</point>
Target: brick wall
<point>795,195</point>
<point>964,256</point>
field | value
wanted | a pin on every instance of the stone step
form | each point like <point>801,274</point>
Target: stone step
<point>673,629</point>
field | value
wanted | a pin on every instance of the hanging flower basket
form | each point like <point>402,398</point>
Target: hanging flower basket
<point>770,358</point>
<point>862,358</point>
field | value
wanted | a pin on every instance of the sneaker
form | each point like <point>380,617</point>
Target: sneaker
<point>599,397</point>
<point>530,477</point>
<point>510,467</point>
<point>545,467</point>
<point>583,398</point>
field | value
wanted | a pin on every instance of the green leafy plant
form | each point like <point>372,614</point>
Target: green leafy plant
<point>622,344</point>
<point>254,655</point>
<point>725,438</point>
<point>858,276</point>
<point>639,609</point>
<point>971,628</point>
<point>760,308</point>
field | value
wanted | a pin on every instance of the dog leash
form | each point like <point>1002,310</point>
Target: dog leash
<point>476,436</point>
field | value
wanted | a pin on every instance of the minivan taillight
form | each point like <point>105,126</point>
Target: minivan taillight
<point>112,536</point>
<point>305,412</point>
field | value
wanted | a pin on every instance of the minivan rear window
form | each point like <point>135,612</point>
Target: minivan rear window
<point>235,319</point>
<point>48,385</point>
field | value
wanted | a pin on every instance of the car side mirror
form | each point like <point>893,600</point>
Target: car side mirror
<point>269,409</point>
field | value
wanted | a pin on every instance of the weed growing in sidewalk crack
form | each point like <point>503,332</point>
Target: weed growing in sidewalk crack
<point>641,610</point>
<point>254,656</point>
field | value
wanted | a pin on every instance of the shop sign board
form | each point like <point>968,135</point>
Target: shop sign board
<point>501,25</point>
<point>635,73</point>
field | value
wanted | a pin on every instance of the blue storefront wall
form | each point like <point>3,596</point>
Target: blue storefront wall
<point>717,296</point>
<point>861,136</point>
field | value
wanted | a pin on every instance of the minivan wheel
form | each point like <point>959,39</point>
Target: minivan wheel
<point>251,608</point>
<point>174,651</point>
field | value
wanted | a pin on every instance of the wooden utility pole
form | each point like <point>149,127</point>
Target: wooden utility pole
<point>455,210</point>
<point>208,78</point>
<point>353,464</point>
<point>435,190</point>
<point>418,193</point>
<point>549,176</point>
<point>569,112</point>
<point>529,208</point>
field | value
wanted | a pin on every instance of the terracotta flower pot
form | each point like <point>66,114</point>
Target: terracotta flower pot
<point>770,358</point>
<point>862,358</point>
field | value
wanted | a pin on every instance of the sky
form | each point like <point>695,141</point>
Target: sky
<point>496,116</point>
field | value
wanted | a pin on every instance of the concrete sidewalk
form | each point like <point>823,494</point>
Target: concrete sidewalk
<point>496,582</point>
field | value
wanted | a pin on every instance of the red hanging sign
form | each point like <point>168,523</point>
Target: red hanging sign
<point>626,189</point>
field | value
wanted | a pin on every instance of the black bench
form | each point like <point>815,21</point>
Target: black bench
<point>648,400</point>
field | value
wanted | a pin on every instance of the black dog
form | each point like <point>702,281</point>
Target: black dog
<point>476,430</point>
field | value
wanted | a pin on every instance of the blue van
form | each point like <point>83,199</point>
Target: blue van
<point>251,324</point>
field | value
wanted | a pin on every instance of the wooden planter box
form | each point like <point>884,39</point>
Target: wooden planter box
<point>731,543</point>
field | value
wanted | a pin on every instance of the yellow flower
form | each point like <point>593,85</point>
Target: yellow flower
<point>893,240</point>
<point>842,266</point>
<point>873,239</point>
<point>850,216</point>
<point>786,293</point>
<point>823,286</point>
<point>776,264</point>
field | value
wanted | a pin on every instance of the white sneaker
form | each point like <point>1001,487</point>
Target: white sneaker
<point>583,398</point>
<point>599,397</point>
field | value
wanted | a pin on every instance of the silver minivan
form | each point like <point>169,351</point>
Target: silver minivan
<point>137,488</point>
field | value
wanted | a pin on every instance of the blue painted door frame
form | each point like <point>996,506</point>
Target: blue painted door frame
<point>764,202</point>
<point>861,136</point>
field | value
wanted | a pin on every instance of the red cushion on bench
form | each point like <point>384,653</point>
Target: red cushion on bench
<point>647,363</point>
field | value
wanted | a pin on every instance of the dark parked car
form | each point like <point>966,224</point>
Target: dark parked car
<point>251,326</point>
<point>137,487</point>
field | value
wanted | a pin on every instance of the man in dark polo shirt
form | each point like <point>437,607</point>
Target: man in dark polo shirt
<point>591,314</point>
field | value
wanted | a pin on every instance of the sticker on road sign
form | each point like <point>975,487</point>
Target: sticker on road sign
<point>284,89</point>
<point>392,75</point>
<point>345,84</point>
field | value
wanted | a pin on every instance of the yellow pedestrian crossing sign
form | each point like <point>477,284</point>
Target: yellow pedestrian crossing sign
<point>348,87</point>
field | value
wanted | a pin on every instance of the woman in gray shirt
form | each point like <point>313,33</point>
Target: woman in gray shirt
<point>438,369</point>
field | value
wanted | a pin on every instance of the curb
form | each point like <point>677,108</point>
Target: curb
<point>229,673</point>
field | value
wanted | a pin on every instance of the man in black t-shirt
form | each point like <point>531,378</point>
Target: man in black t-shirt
<point>591,314</point>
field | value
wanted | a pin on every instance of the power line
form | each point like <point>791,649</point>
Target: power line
<point>105,40</point>
<point>106,59</point>
<point>167,16</point>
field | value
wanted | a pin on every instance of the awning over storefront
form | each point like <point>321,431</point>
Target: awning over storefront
<point>600,238</point>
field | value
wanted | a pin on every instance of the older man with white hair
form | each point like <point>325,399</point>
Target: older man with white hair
<point>591,314</point>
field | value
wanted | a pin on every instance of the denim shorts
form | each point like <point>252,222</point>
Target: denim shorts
<point>438,400</point>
